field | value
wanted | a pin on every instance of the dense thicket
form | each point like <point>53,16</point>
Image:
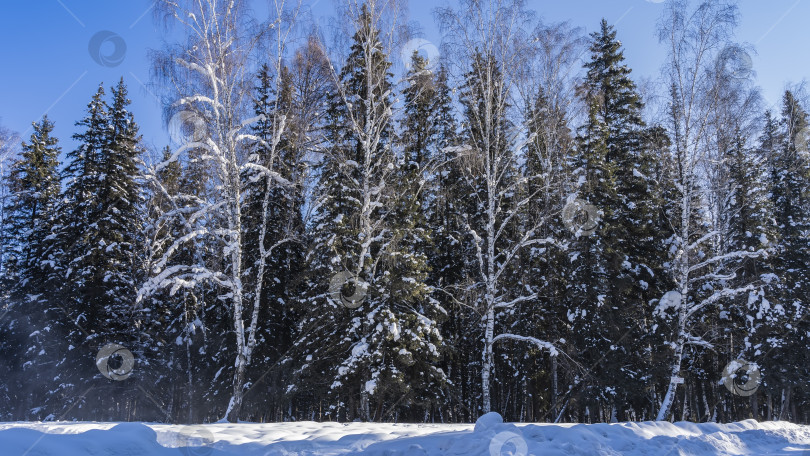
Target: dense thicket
<point>347,238</point>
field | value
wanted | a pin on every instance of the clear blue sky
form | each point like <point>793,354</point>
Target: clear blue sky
<point>47,67</point>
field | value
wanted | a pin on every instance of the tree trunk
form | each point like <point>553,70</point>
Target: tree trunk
<point>553,386</point>
<point>783,410</point>
<point>676,368</point>
<point>235,404</point>
<point>754,407</point>
<point>488,359</point>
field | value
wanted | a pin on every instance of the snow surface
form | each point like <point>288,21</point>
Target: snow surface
<point>488,437</point>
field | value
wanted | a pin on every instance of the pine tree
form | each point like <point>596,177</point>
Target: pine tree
<point>448,261</point>
<point>790,175</point>
<point>547,173</point>
<point>751,223</point>
<point>596,325</point>
<point>34,184</point>
<point>746,215</point>
<point>412,240</point>
<point>95,244</point>
<point>75,254</point>
<point>633,246</point>
<point>368,361</point>
<point>119,218</point>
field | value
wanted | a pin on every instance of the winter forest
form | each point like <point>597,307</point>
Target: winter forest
<point>499,228</point>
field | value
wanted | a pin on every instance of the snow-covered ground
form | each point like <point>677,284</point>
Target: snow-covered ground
<point>488,437</point>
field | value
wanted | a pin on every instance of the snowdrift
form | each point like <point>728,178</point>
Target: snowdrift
<point>488,437</point>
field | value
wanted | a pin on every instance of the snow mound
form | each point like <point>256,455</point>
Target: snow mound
<point>488,421</point>
<point>490,436</point>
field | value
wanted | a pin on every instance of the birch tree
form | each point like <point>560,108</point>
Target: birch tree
<point>209,74</point>
<point>694,37</point>
<point>489,38</point>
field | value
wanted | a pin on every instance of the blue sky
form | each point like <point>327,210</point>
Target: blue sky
<point>47,66</point>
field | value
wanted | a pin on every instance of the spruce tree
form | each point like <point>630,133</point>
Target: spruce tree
<point>545,269</point>
<point>597,326</point>
<point>790,181</point>
<point>410,296</point>
<point>75,254</point>
<point>119,218</point>
<point>633,246</point>
<point>95,244</point>
<point>448,273</point>
<point>375,359</point>
<point>34,184</point>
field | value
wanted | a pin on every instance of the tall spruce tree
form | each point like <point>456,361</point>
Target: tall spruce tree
<point>31,211</point>
<point>448,265</point>
<point>75,253</point>
<point>633,246</point>
<point>597,327</point>
<point>373,360</point>
<point>119,218</point>
<point>736,323</point>
<point>34,184</point>
<point>412,237</point>
<point>94,249</point>
<point>790,181</point>
<point>547,173</point>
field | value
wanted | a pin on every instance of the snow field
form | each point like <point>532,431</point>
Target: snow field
<point>488,437</point>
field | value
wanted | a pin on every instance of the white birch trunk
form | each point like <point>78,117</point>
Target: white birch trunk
<point>217,65</point>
